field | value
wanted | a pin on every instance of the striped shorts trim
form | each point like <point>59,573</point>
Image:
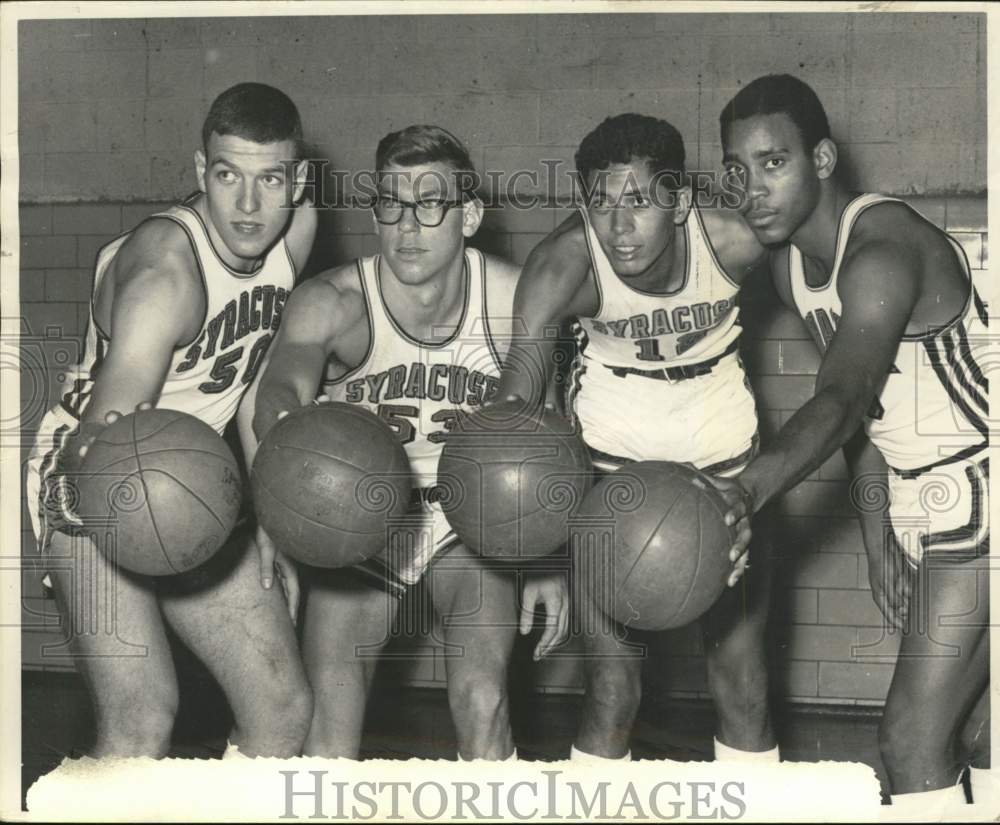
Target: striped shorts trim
<point>944,514</point>
<point>607,463</point>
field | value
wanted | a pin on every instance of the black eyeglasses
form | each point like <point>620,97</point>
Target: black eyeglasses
<point>429,212</point>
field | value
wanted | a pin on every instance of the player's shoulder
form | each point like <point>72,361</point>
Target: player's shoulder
<point>569,237</point>
<point>891,224</point>
<point>343,280</point>
<point>888,238</point>
<point>734,243</point>
<point>500,269</point>
<point>562,256</point>
<point>332,298</point>
<point>158,250</point>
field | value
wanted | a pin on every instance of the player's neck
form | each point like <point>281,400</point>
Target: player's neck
<point>433,303</point>
<point>816,238</point>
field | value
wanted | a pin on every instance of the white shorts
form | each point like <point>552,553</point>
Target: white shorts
<point>55,429</point>
<point>414,541</point>
<point>943,513</point>
<point>709,421</point>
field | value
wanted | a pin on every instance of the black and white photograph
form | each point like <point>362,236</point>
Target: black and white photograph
<point>496,411</point>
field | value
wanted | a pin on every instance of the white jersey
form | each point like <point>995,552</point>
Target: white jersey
<point>417,387</point>
<point>649,331</point>
<point>933,406</point>
<point>207,376</point>
<point>629,390</point>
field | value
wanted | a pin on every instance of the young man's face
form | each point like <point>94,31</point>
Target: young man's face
<point>776,172</point>
<point>634,216</point>
<point>246,190</point>
<point>415,250</point>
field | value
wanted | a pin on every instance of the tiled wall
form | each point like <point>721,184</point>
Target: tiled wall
<point>828,643</point>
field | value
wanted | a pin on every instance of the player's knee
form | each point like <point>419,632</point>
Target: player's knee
<point>132,725</point>
<point>615,692</point>
<point>294,704</point>
<point>283,710</point>
<point>894,744</point>
<point>737,683</point>
<point>479,694</point>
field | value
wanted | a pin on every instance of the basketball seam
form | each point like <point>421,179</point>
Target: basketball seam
<point>310,451</point>
<point>303,516</point>
<point>651,533</point>
<point>149,508</point>
<point>694,577</point>
<point>146,435</point>
<point>187,489</point>
<point>174,450</point>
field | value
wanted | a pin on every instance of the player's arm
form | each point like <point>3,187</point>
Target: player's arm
<point>301,234</point>
<point>158,304</point>
<point>245,413</point>
<point>310,323</point>
<point>552,289</point>
<point>878,290</point>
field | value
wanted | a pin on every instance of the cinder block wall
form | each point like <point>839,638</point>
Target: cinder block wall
<point>111,110</point>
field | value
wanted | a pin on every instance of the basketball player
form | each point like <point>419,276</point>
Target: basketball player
<point>406,334</point>
<point>888,298</point>
<point>652,280</point>
<point>184,307</point>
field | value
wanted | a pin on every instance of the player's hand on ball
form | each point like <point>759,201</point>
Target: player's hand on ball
<point>274,562</point>
<point>89,434</point>
<point>740,502</point>
<point>551,592</point>
<point>319,399</point>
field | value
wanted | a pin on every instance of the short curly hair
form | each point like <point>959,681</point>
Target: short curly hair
<point>627,137</point>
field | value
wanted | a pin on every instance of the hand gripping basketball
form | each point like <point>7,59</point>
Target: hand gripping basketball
<point>160,489</point>
<point>741,504</point>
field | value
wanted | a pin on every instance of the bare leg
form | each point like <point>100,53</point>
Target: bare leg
<point>347,623</point>
<point>245,637</point>
<point>941,673</point>
<point>975,738</point>
<point>119,646</point>
<point>612,671</point>
<point>479,615</point>
<point>733,632</point>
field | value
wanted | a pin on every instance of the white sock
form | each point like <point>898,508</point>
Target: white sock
<point>577,755</point>
<point>724,753</point>
<point>232,751</point>
<point>511,758</point>
<point>927,806</point>
<point>985,788</point>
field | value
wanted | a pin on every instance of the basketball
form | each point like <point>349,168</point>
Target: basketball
<point>326,480</point>
<point>166,489</point>
<point>668,561</point>
<point>512,481</point>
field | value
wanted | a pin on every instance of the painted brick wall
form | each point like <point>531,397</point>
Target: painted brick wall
<point>110,112</point>
<point>828,643</point>
<point>111,109</point>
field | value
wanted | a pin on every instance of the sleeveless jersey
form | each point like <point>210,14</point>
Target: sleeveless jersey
<point>933,406</point>
<point>417,387</point>
<point>649,331</point>
<point>208,376</point>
